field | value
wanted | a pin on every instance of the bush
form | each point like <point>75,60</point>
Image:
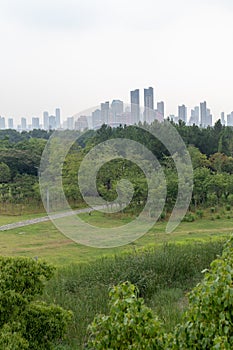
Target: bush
<point>189,218</point>
<point>208,322</point>
<point>200,213</point>
<point>24,323</point>
<point>212,210</point>
<point>130,324</point>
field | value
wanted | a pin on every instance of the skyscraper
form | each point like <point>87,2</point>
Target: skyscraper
<point>35,123</point>
<point>52,122</point>
<point>182,113</point>
<point>230,119</point>
<point>149,113</point>
<point>194,119</point>
<point>10,123</point>
<point>105,112</point>
<point>58,117</point>
<point>117,107</point>
<point>23,124</point>
<point>70,123</point>
<point>96,118</point>
<point>160,111</point>
<point>2,123</point>
<point>46,120</point>
<point>135,106</point>
<point>203,110</point>
<point>223,122</point>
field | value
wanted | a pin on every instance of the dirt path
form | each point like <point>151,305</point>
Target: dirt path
<point>44,219</point>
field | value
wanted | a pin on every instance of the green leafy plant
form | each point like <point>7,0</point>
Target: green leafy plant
<point>208,322</point>
<point>25,323</point>
<point>130,324</point>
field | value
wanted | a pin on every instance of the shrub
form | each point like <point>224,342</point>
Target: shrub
<point>200,213</point>
<point>130,324</point>
<point>189,218</point>
<point>228,207</point>
<point>208,322</point>
<point>212,210</point>
<point>24,323</point>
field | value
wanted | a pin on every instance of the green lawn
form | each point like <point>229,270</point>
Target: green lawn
<point>45,241</point>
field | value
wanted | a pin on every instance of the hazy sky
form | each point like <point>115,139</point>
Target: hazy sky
<point>74,54</point>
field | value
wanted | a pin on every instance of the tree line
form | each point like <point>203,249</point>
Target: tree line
<point>211,152</point>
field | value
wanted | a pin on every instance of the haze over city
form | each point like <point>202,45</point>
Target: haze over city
<point>74,54</point>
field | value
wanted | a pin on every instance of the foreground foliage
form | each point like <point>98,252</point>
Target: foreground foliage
<point>207,323</point>
<point>130,324</point>
<point>25,323</point>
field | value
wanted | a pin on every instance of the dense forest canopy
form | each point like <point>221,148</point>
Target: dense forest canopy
<point>211,151</point>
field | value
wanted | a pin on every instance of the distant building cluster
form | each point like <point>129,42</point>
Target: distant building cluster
<point>117,113</point>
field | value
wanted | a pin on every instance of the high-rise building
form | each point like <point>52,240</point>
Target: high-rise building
<point>182,113</point>
<point>194,118</point>
<point>105,113</point>
<point>149,113</point>
<point>10,123</point>
<point>96,118</point>
<point>23,124</point>
<point>46,120</point>
<point>230,119</point>
<point>135,106</point>
<point>2,123</point>
<point>52,122</point>
<point>160,108</point>
<point>81,123</point>
<point>203,109</point>
<point>117,108</point>
<point>35,123</point>
<point>223,121</point>
<point>209,117</point>
<point>70,123</point>
<point>58,118</point>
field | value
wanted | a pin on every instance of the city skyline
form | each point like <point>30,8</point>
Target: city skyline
<point>78,53</point>
<point>118,113</point>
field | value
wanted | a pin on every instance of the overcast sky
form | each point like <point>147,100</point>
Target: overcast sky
<point>74,54</point>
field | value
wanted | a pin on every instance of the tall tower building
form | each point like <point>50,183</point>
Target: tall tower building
<point>52,122</point>
<point>149,105</point>
<point>58,117</point>
<point>223,121</point>
<point>203,110</point>
<point>96,118</point>
<point>194,119</point>
<point>70,123</point>
<point>46,120</point>
<point>105,113</point>
<point>35,123</point>
<point>135,106</point>
<point>23,124</point>
<point>117,108</point>
<point>209,117</point>
<point>2,123</point>
<point>182,113</point>
<point>160,109</point>
<point>10,123</point>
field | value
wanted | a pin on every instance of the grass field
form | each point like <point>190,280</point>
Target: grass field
<point>45,241</point>
<point>82,279</point>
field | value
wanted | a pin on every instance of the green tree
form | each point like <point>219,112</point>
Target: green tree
<point>24,322</point>
<point>5,173</point>
<point>129,325</point>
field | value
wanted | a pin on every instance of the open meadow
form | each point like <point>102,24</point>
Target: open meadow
<point>43,240</point>
<point>163,266</point>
